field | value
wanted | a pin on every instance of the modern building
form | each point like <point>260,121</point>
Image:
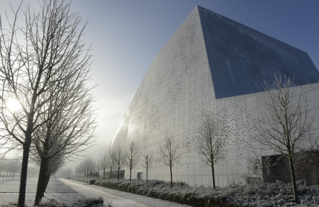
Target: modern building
<point>210,60</point>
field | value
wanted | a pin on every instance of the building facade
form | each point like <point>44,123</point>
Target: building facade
<point>210,60</point>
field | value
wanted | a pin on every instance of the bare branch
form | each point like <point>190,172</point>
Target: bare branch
<point>170,154</point>
<point>285,122</point>
<point>210,136</point>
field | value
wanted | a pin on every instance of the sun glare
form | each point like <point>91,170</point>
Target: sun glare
<point>13,105</point>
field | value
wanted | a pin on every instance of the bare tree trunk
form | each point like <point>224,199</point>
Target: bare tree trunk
<point>7,174</point>
<point>147,174</point>
<point>130,174</point>
<point>293,179</point>
<point>110,173</point>
<point>118,173</point>
<point>170,154</point>
<point>40,187</point>
<point>104,174</point>
<point>213,175</point>
<point>47,179</point>
<point>98,172</point>
<point>170,167</point>
<point>24,170</point>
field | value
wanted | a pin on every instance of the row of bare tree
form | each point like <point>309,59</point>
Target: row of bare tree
<point>116,158</point>
<point>9,168</point>
<point>44,66</point>
<point>88,168</point>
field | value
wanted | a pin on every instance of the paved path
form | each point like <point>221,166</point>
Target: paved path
<point>91,191</point>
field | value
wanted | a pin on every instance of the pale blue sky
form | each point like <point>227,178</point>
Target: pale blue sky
<point>127,34</point>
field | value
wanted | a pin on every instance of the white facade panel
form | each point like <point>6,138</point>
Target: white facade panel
<point>193,72</point>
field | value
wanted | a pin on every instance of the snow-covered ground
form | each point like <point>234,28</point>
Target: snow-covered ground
<point>67,192</point>
<point>9,191</point>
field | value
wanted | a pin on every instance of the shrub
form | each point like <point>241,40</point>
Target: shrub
<point>254,194</point>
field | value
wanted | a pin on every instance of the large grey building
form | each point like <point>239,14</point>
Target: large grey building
<point>210,60</point>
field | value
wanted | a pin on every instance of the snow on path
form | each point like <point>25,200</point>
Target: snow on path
<point>118,198</point>
<point>88,191</point>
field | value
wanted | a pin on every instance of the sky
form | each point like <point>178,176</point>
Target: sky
<point>126,35</point>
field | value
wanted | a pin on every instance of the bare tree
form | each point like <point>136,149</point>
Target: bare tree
<point>285,123</point>
<point>8,168</point>
<point>85,167</point>
<point>68,131</point>
<point>52,55</point>
<point>131,156</point>
<point>110,161</point>
<point>170,154</point>
<point>54,165</point>
<point>119,159</point>
<point>210,136</point>
<point>79,170</point>
<point>98,164</point>
<point>88,167</point>
<point>48,165</point>
<point>148,160</point>
<point>103,162</point>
